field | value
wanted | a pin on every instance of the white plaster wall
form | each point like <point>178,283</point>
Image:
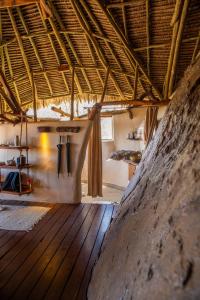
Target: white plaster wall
<point>116,172</point>
<point>43,155</point>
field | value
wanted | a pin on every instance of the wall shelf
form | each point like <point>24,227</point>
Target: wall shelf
<point>20,148</point>
<point>27,166</point>
<point>23,192</point>
<point>23,189</point>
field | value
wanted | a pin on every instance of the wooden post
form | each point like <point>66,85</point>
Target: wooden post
<point>105,85</point>
<point>178,22</point>
<point>178,44</point>
<point>34,100</point>
<point>148,36</point>
<point>72,96</point>
<point>135,83</point>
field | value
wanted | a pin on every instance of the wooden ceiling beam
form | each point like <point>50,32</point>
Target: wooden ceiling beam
<point>20,43</point>
<point>7,94</point>
<point>196,48</point>
<point>34,48</point>
<point>131,53</point>
<point>148,35</point>
<point>13,3</point>
<point>64,50</point>
<point>135,83</point>
<point>125,21</point>
<point>53,48</point>
<point>144,103</point>
<point>93,58</point>
<point>65,68</point>
<point>11,73</point>
<point>98,36</point>
<point>178,44</point>
<point>108,44</point>
<point>123,4</point>
<point>4,118</point>
<point>179,19</point>
<point>72,97</point>
<point>86,27</point>
<point>7,100</point>
<point>62,26</point>
<point>105,85</point>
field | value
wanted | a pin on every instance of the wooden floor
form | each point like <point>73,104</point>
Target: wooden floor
<point>55,259</point>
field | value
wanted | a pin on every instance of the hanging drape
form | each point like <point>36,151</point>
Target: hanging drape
<point>95,159</point>
<point>150,123</point>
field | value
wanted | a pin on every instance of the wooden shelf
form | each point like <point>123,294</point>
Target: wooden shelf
<point>14,147</point>
<point>27,166</point>
<point>24,192</point>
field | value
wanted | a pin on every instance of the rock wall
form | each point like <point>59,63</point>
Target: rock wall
<point>152,250</point>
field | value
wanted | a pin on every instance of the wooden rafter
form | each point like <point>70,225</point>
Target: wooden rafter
<point>34,99</point>
<point>12,74</point>
<point>13,3</point>
<point>54,49</point>
<point>148,35</point>
<point>93,58</point>
<point>196,48</point>
<point>123,4</point>
<point>34,48</point>
<point>7,94</point>
<point>64,50</point>
<point>20,43</point>
<point>178,22</point>
<point>64,67</point>
<point>7,99</point>
<point>145,103</point>
<point>62,26</point>
<point>60,111</point>
<point>178,44</point>
<point>105,86</point>
<point>107,42</point>
<point>72,96</point>
<point>124,21</point>
<point>86,27</point>
<point>135,83</point>
<point>98,36</point>
<point>130,52</point>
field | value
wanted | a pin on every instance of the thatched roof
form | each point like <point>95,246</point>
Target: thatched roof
<point>152,41</point>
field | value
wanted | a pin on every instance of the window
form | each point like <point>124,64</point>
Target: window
<point>107,128</point>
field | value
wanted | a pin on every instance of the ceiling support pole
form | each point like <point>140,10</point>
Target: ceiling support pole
<point>72,96</point>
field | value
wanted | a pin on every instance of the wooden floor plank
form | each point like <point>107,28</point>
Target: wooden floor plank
<point>36,272</point>
<point>65,269</point>
<point>11,283</point>
<point>73,283</point>
<point>38,231</point>
<point>14,238</point>
<point>55,259</point>
<point>45,280</point>
<point>81,293</point>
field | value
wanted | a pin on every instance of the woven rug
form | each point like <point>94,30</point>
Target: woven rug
<point>21,218</point>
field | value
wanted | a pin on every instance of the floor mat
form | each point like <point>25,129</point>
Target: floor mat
<point>21,218</point>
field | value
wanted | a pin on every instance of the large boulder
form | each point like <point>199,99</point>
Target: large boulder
<point>152,250</point>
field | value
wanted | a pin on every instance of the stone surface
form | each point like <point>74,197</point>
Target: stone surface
<point>152,250</point>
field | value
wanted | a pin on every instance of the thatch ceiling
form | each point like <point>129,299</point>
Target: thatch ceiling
<point>153,41</point>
